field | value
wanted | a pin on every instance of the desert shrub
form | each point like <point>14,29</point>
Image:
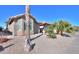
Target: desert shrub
<point>52,35</point>
<point>50,31</point>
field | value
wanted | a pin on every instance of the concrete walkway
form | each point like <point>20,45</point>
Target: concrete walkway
<point>43,45</point>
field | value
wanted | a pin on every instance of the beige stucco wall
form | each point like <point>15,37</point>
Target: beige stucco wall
<point>19,27</point>
<point>34,29</point>
<point>10,27</point>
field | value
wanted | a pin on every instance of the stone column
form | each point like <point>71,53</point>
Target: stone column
<point>28,21</point>
<point>27,41</point>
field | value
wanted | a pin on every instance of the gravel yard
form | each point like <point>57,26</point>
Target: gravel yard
<point>43,45</point>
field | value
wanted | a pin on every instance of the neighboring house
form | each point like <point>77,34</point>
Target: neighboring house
<point>43,26</point>
<point>18,25</point>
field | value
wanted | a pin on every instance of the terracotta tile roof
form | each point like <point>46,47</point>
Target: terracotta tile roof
<point>43,24</point>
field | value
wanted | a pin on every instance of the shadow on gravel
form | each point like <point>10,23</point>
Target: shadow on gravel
<point>36,37</point>
<point>32,47</point>
<point>3,48</point>
<point>66,35</point>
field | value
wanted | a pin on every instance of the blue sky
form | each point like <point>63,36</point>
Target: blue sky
<point>52,13</point>
<point>42,13</point>
<point>7,11</point>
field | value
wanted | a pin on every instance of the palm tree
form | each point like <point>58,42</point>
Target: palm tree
<point>59,26</point>
<point>63,26</point>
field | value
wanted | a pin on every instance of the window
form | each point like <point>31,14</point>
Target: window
<point>30,25</point>
<point>19,25</point>
<point>25,25</point>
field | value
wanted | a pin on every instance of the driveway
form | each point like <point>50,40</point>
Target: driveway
<point>61,45</point>
<point>43,45</point>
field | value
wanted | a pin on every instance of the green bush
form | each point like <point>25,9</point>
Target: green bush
<point>50,31</point>
<point>69,29</point>
<point>52,35</point>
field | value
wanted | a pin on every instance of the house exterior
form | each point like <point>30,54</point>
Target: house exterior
<point>18,25</point>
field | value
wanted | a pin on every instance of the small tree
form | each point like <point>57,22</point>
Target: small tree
<point>63,26</point>
<point>60,27</point>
